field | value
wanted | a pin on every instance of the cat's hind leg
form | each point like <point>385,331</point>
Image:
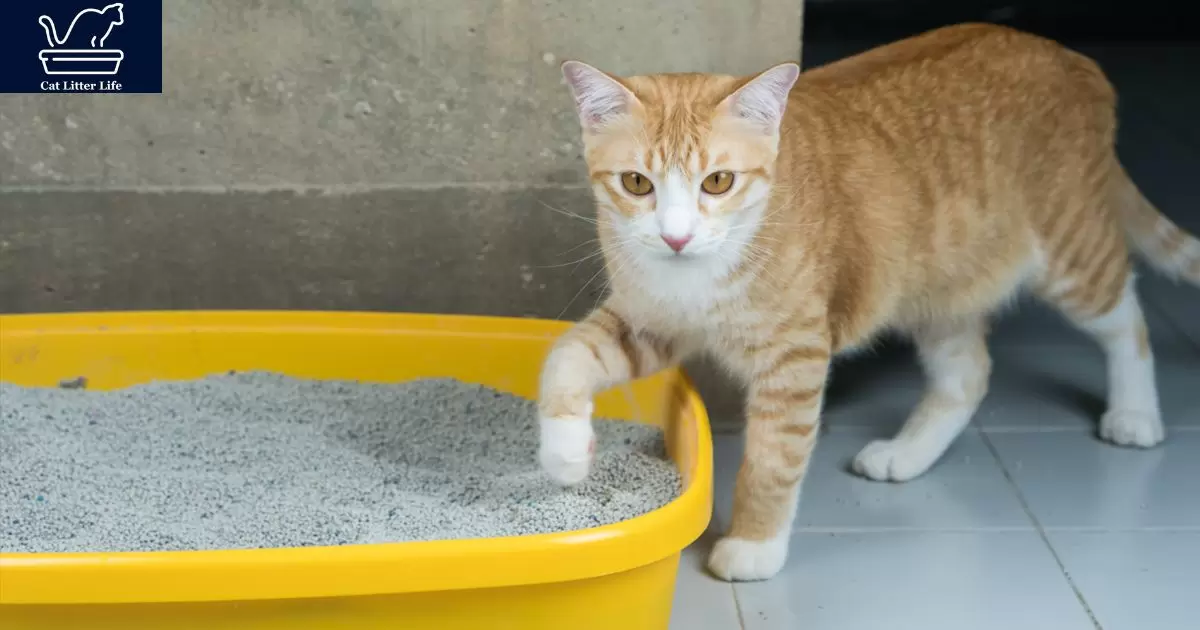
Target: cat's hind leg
<point>1106,306</point>
<point>957,365</point>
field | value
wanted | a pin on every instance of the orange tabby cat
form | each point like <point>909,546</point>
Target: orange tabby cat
<point>777,220</point>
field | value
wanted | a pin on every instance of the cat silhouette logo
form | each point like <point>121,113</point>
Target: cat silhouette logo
<point>80,48</point>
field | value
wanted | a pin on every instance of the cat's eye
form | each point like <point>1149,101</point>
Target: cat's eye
<point>636,183</point>
<point>718,183</point>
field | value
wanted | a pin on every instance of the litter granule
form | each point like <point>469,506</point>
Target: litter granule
<point>261,460</point>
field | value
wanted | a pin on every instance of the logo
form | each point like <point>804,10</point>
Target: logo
<point>63,58</point>
<point>82,46</point>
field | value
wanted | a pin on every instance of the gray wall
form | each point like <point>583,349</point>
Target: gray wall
<point>371,154</point>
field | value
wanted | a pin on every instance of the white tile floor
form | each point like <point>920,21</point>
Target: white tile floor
<point>1028,522</point>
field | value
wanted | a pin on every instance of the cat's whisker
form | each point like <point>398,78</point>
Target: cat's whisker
<point>760,265</point>
<point>770,238</point>
<point>579,293</point>
<point>786,227</point>
<point>569,214</point>
<point>622,259</point>
<point>583,244</point>
<point>590,256</point>
<point>616,248</point>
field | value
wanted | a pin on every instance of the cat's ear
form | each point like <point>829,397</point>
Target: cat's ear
<point>763,99</point>
<point>599,98</point>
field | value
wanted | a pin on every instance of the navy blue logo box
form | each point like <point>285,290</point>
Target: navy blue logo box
<point>81,46</point>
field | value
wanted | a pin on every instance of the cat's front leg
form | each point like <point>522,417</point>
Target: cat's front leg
<point>602,351</point>
<point>782,415</point>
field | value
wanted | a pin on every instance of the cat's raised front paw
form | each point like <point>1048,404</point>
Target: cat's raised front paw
<point>741,560</point>
<point>566,448</point>
<point>1132,428</point>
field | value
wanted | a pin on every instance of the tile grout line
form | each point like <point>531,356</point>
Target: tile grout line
<point>1090,430</point>
<point>859,428</point>
<point>1144,529</point>
<point>737,606</point>
<point>1062,567</point>
<point>1001,529</point>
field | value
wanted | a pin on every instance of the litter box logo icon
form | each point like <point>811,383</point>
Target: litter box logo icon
<point>81,46</point>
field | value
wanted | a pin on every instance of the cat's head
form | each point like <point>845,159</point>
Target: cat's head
<point>681,164</point>
<point>116,12</point>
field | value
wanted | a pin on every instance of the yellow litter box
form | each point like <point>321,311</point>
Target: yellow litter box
<point>616,577</point>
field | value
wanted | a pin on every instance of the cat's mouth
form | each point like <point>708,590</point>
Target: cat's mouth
<point>681,257</point>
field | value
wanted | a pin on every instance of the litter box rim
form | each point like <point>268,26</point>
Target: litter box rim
<point>356,570</point>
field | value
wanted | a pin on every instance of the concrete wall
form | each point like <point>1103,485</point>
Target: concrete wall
<point>368,154</point>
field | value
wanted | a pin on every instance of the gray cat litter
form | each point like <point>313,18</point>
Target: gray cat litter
<point>260,460</point>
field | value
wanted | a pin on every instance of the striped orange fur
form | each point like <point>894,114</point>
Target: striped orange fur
<point>917,187</point>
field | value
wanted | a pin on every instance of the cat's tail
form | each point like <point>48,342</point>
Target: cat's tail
<point>1166,246</point>
<point>51,32</point>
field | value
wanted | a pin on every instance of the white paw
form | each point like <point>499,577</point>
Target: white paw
<point>566,448</point>
<point>740,560</point>
<point>891,460</point>
<point>1132,428</point>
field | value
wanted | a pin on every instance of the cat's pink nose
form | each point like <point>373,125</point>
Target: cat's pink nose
<point>676,244</point>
